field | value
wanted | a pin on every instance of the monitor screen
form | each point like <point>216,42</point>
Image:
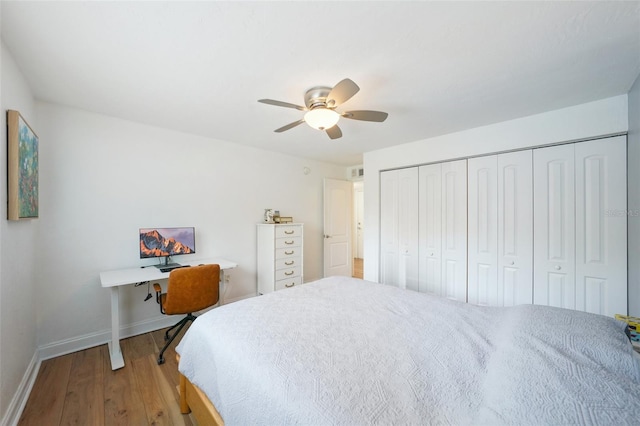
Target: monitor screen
<point>164,242</point>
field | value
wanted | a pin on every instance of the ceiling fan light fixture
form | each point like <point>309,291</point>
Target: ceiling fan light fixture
<point>321,118</point>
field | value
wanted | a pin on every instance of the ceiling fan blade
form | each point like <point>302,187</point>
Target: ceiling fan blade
<point>377,116</point>
<point>334,132</point>
<point>289,126</point>
<point>342,92</point>
<point>282,104</point>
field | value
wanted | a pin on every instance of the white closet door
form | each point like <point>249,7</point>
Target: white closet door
<point>483,230</point>
<point>515,228</point>
<point>454,229</point>
<point>430,226</point>
<point>389,237</point>
<point>554,225</point>
<point>601,226</point>
<point>408,228</point>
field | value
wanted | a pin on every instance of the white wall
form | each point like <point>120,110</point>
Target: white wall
<point>17,259</point>
<point>633,187</point>
<point>604,117</point>
<point>102,178</point>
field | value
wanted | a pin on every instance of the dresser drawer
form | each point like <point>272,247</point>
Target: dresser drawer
<point>282,274</point>
<point>288,252</point>
<point>288,283</point>
<point>288,231</point>
<point>288,262</point>
<point>288,242</point>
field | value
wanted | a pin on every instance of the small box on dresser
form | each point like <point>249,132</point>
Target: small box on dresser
<point>280,249</point>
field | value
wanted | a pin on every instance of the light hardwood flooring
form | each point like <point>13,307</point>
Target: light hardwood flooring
<point>81,389</point>
<point>358,268</point>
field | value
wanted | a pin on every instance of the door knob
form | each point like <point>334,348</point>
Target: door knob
<point>558,267</point>
<point>513,263</point>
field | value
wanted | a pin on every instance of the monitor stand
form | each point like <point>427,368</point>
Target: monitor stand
<point>164,263</point>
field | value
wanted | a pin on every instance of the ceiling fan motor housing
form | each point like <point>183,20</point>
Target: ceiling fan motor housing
<point>316,97</point>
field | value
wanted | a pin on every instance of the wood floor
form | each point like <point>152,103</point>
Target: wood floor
<point>358,268</point>
<point>81,389</point>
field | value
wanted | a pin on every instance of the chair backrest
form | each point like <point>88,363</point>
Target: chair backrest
<point>192,289</point>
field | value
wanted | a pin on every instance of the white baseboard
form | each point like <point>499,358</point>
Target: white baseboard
<point>78,343</point>
<point>19,400</point>
<point>75,344</point>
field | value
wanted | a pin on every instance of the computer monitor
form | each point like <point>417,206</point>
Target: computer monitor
<point>165,242</point>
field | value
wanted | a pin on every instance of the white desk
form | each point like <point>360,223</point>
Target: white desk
<point>120,277</point>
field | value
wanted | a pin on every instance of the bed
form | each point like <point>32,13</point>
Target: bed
<point>347,351</point>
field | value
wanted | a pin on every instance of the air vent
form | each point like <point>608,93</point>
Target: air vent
<point>356,173</point>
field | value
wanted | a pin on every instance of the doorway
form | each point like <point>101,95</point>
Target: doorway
<point>358,230</point>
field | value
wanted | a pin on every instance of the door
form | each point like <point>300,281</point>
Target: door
<point>408,228</point>
<point>483,230</point>
<point>337,227</point>
<point>430,229</point>
<point>358,201</point>
<point>389,238</point>
<point>515,228</point>
<point>399,228</point>
<point>554,224</point>
<point>601,226</point>
<point>454,230</point>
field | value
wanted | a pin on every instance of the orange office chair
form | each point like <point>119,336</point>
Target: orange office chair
<point>188,290</point>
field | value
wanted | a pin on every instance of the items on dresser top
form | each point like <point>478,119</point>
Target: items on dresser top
<point>280,256</point>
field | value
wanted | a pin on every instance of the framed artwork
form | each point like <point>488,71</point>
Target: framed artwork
<point>22,168</point>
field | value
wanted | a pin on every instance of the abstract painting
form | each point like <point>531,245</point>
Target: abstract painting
<point>22,168</point>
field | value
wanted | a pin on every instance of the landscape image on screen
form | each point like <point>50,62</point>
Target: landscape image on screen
<point>161,242</point>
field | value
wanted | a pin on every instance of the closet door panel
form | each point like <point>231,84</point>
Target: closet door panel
<point>482,191</point>
<point>515,228</point>
<point>389,236</point>
<point>430,229</point>
<point>554,225</point>
<point>601,224</point>
<point>454,229</point>
<point>408,228</point>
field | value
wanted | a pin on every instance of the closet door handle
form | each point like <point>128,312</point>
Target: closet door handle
<point>558,267</point>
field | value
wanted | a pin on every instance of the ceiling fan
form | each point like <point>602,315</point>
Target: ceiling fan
<point>320,104</point>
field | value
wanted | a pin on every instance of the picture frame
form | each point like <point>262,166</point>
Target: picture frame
<point>22,168</point>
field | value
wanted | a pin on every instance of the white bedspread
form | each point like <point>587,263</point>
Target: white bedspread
<point>352,352</point>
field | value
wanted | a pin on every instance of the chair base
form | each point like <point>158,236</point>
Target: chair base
<point>169,338</point>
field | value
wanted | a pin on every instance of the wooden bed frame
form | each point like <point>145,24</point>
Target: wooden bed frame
<point>192,399</point>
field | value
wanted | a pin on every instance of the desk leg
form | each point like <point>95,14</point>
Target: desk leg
<point>117,361</point>
<point>223,288</point>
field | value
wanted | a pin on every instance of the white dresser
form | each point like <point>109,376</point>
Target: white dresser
<point>279,256</point>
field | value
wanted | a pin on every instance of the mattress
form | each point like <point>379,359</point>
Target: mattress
<point>347,351</point>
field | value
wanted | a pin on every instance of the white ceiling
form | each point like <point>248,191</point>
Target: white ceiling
<point>435,67</point>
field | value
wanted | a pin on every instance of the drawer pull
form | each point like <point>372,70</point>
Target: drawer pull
<point>289,242</point>
<point>289,273</point>
<point>289,232</point>
<point>288,253</point>
<point>289,263</point>
<point>290,285</point>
